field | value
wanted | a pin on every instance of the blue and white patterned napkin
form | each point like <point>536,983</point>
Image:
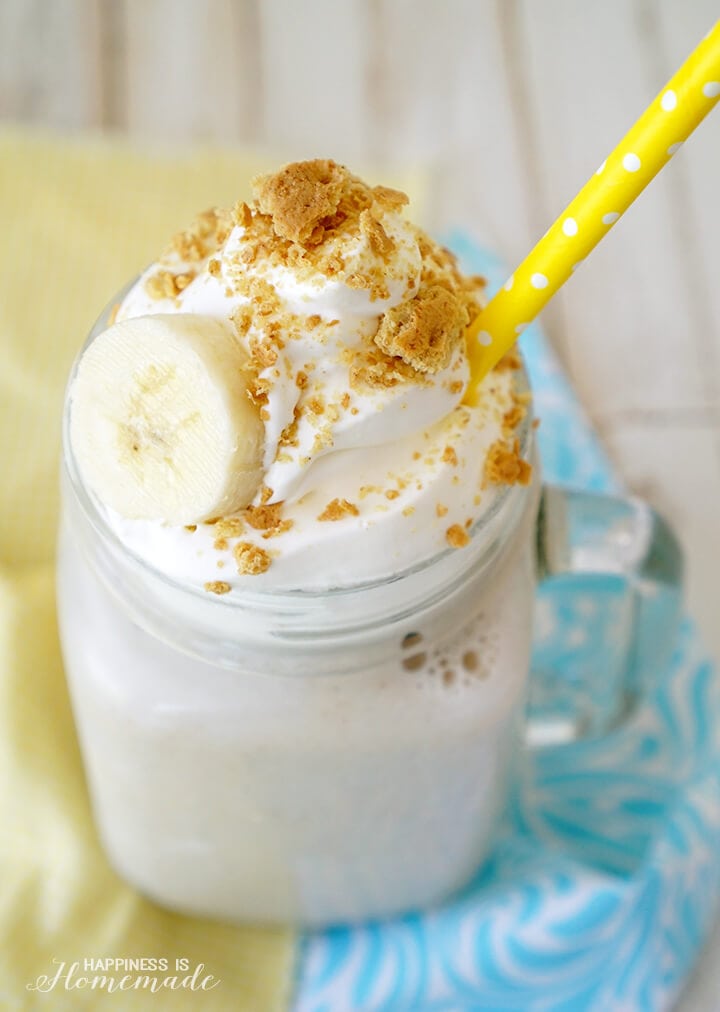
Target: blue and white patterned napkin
<point>606,876</point>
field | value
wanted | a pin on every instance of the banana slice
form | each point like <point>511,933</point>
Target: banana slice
<point>161,424</point>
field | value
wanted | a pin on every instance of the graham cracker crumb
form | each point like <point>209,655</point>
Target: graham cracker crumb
<point>505,466</point>
<point>513,417</point>
<point>339,508</point>
<point>449,456</point>
<point>166,285</point>
<point>289,435</point>
<point>457,536</point>
<point>242,318</point>
<point>229,527</point>
<point>217,587</point>
<point>280,528</point>
<point>208,231</point>
<point>251,560</point>
<point>242,214</point>
<point>299,197</point>
<point>375,369</point>
<point>441,510</point>
<point>424,330</point>
<point>389,199</point>
<point>380,241</point>
<point>392,493</point>
<point>191,527</point>
<point>510,360</point>
<point>265,517</point>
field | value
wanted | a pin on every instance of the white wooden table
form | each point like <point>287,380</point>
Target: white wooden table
<point>511,104</point>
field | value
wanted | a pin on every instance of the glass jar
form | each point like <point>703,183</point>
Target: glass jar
<point>306,757</point>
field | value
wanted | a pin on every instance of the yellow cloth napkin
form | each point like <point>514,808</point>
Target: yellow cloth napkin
<point>77,219</point>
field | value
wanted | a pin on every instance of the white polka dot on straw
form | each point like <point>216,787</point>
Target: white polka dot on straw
<point>569,226</point>
<point>669,100</point>
<point>674,147</point>
<point>610,218</point>
<point>538,281</point>
<point>631,162</point>
<point>600,168</point>
<point>520,328</point>
<point>711,89</point>
<point>509,283</point>
<point>484,338</point>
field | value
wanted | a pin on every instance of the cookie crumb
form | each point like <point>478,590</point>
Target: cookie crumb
<point>299,197</point>
<point>456,536</point>
<point>229,527</point>
<point>449,456</point>
<point>217,587</point>
<point>441,510</point>
<point>424,330</point>
<point>513,417</point>
<point>339,508</point>
<point>510,360</point>
<point>380,241</point>
<point>166,285</point>
<point>505,466</point>
<point>242,214</point>
<point>251,560</point>
<point>389,199</point>
<point>265,517</point>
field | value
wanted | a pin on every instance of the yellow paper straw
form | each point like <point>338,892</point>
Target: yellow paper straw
<point>643,151</point>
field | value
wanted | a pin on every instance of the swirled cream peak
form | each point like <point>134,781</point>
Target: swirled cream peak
<point>352,320</point>
<point>352,317</point>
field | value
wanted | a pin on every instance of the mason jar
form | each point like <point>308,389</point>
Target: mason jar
<point>306,757</point>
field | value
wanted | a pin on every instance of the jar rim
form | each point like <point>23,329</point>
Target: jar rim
<point>269,597</point>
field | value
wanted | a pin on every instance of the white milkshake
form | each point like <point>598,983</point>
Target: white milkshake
<point>301,708</point>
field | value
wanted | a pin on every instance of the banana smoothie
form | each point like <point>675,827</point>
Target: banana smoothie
<point>295,569</point>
